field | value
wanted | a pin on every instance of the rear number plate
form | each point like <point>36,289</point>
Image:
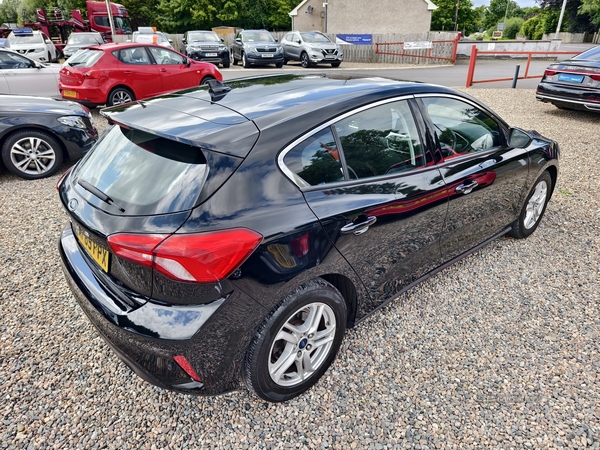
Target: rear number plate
<point>70,94</point>
<point>211,55</point>
<point>569,77</point>
<point>97,253</point>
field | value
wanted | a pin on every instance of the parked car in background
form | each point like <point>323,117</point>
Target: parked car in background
<point>4,43</point>
<point>573,83</point>
<point>310,48</point>
<point>256,47</point>
<point>205,46</point>
<point>80,40</point>
<point>231,234</point>
<point>112,74</point>
<point>34,44</point>
<point>149,35</point>
<point>37,134</point>
<point>25,76</point>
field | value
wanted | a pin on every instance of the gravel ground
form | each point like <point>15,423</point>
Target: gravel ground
<point>500,351</point>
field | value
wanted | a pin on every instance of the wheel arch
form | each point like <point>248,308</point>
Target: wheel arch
<point>124,86</point>
<point>349,293</point>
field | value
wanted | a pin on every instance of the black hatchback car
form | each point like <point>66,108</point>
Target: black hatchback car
<point>573,83</point>
<point>231,233</point>
<point>37,134</point>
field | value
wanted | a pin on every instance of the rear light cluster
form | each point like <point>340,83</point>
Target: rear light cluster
<point>199,257</point>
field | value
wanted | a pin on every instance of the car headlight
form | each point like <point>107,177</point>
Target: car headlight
<point>315,49</point>
<point>40,49</point>
<point>222,48</point>
<point>252,50</point>
<point>279,50</point>
<point>73,121</point>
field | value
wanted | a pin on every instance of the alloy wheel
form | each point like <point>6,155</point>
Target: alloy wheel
<point>302,344</point>
<point>32,155</point>
<point>535,205</point>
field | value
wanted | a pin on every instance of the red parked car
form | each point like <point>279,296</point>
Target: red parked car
<point>118,73</point>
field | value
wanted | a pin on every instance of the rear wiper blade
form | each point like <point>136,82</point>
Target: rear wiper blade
<point>98,193</point>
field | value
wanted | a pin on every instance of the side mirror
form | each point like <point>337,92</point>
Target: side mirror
<point>299,41</point>
<point>170,41</point>
<point>222,40</point>
<point>48,41</point>
<point>238,40</point>
<point>276,40</point>
<point>519,138</point>
<point>184,41</point>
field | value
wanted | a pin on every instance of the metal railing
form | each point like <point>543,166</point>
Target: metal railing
<point>473,61</point>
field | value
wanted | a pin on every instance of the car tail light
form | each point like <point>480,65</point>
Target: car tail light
<point>92,74</point>
<point>62,178</point>
<point>199,257</point>
<point>595,77</point>
<point>549,73</point>
<point>187,367</point>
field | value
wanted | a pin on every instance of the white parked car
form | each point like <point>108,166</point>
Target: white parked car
<point>25,76</point>
<point>33,44</point>
<point>148,35</point>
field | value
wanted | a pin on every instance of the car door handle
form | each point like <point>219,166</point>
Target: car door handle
<point>359,228</point>
<point>128,72</point>
<point>467,187</point>
<point>162,70</point>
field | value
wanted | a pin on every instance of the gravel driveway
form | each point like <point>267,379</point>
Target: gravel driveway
<point>501,350</point>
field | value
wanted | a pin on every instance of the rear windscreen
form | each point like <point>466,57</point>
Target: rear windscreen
<point>85,58</point>
<point>144,174</point>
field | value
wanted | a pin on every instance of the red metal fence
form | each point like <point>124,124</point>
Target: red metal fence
<point>475,53</point>
<point>428,49</point>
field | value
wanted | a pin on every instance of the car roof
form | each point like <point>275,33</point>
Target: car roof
<point>111,46</point>
<point>267,101</point>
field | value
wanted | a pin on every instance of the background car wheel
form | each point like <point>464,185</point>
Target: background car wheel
<point>226,64</point>
<point>205,80</point>
<point>32,154</point>
<point>119,96</point>
<point>245,61</point>
<point>279,65</point>
<point>534,207</point>
<point>285,61</point>
<point>233,59</point>
<point>305,60</point>
<point>335,64</point>
<point>296,343</point>
<point>49,57</point>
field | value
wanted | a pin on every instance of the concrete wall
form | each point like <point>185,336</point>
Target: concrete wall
<point>315,20</point>
<point>465,47</point>
<point>378,16</point>
<point>567,38</point>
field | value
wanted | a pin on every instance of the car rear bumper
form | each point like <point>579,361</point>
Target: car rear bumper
<point>568,96</point>
<point>147,337</point>
<point>86,96</point>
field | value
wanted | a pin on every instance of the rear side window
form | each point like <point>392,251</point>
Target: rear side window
<point>316,160</point>
<point>593,54</point>
<point>145,174</point>
<point>85,58</point>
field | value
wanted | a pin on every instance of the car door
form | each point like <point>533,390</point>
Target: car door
<point>23,77</point>
<point>236,47</point>
<point>173,69</point>
<point>374,189</point>
<point>485,177</point>
<point>294,47</point>
<point>136,70</point>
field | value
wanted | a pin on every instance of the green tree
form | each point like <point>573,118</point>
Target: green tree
<point>592,9</point>
<point>575,20</point>
<point>496,12</point>
<point>9,11</point>
<point>513,26</point>
<point>443,17</point>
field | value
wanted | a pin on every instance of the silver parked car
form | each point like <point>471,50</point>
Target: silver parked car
<point>80,40</point>
<point>25,76</point>
<point>311,47</point>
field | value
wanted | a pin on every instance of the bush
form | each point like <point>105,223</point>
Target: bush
<point>513,26</point>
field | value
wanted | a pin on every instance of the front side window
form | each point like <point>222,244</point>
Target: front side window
<point>164,56</point>
<point>9,60</point>
<point>380,141</point>
<point>461,128</point>
<point>316,160</point>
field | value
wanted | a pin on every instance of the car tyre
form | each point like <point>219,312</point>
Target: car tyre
<point>245,61</point>
<point>32,154</point>
<point>226,64</point>
<point>120,95</point>
<point>303,333</point>
<point>49,56</point>
<point>233,59</point>
<point>206,79</point>
<point>305,60</point>
<point>335,64</point>
<point>534,207</point>
<point>279,65</point>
